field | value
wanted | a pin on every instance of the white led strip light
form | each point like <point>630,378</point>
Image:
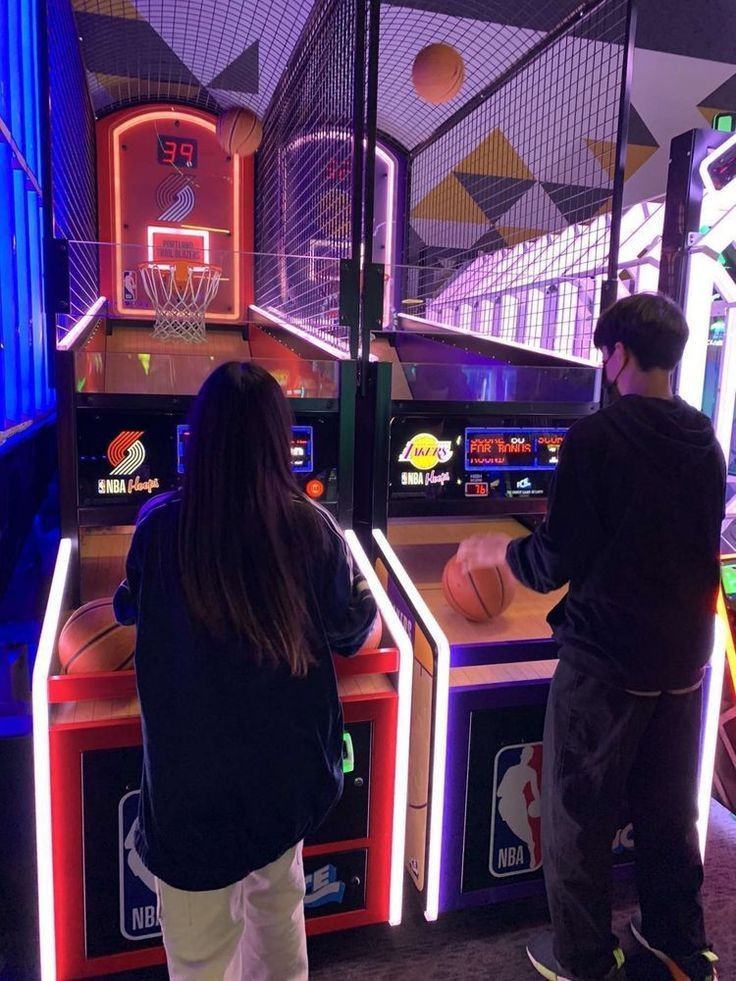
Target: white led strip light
<point>42,763</point>
<point>442,693</point>
<point>572,359</point>
<point>334,352</point>
<point>75,332</point>
<point>403,726</point>
<point>710,729</point>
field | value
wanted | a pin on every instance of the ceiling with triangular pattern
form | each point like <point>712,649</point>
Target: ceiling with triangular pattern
<point>222,53</point>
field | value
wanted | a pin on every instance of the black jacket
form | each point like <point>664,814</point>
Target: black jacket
<point>633,525</point>
<point>239,763</point>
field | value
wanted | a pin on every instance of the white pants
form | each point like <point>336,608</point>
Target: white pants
<point>252,930</point>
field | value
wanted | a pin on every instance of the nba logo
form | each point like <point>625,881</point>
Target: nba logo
<point>516,845</point>
<point>138,900</point>
<point>130,288</point>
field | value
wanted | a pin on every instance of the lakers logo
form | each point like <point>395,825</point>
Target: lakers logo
<point>126,453</point>
<point>424,451</point>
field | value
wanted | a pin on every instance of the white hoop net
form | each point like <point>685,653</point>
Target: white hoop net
<point>180,296</point>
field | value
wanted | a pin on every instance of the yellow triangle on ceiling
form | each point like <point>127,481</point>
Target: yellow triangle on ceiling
<point>604,152</point>
<point>495,157</point>
<point>636,157</point>
<point>449,201</point>
<point>513,235</point>
<point>708,113</point>
<point>108,8</point>
<point>128,88</point>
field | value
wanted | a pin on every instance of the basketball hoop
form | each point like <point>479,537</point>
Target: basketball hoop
<point>180,293</point>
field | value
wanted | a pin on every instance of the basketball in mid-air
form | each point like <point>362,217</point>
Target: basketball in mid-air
<point>91,640</point>
<point>479,595</point>
<point>438,73</point>
<point>239,131</point>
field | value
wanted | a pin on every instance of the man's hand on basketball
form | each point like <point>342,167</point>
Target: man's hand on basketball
<point>483,551</point>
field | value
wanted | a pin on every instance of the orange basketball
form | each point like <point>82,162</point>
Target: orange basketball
<point>91,640</point>
<point>438,73</point>
<point>373,640</point>
<point>480,595</point>
<point>239,131</point>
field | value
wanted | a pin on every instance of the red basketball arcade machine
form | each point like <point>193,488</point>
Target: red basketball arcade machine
<point>170,196</point>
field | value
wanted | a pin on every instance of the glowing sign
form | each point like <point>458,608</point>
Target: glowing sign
<point>512,449</point>
<point>126,455</point>
<point>424,451</point>
<point>302,449</point>
<point>176,151</point>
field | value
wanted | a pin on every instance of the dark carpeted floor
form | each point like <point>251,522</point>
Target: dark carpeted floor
<point>489,943</point>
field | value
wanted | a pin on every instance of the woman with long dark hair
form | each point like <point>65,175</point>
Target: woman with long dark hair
<point>241,589</point>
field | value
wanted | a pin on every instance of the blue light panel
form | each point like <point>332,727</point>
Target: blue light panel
<point>24,390</point>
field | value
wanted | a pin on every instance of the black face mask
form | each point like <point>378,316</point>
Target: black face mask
<point>610,392</point>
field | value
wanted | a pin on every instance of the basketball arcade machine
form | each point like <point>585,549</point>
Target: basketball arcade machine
<point>698,270</point>
<point>479,690</point>
<point>122,437</point>
<point>472,449</point>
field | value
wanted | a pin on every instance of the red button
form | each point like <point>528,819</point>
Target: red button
<point>315,488</point>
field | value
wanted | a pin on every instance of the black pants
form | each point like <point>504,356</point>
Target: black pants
<point>601,746</point>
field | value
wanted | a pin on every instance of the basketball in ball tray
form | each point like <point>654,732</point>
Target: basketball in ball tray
<point>438,73</point>
<point>239,131</point>
<point>91,640</point>
<point>479,595</point>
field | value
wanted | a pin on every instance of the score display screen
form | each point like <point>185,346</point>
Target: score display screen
<point>177,151</point>
<point>512,449</point>
<point>302,452</point>
<point>438,461</point>
<point>302,448</point>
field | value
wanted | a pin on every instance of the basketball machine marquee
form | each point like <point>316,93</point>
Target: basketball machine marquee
<point>169,193</point>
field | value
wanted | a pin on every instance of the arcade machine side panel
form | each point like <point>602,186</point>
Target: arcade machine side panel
<point>493,781</point>
<point>492,830</point>
<point>169,192</point>
<point>105,906</point>
<point>423,745</point>
<point>697,273</point>
<point>683,207</point>
<point>348,861</point>
<point>105,898</point>
<point>725,765</point>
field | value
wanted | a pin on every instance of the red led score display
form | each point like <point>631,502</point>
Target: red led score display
<point>177,151</point>
<point>512,449</point>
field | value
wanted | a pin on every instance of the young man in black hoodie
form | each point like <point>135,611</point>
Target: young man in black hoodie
<point>633,526</point>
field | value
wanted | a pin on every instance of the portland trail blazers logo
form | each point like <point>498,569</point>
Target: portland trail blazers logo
<point>126,453</point>
<point>175,197</point>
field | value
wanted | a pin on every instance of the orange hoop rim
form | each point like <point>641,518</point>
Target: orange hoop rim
<point>174,263</point>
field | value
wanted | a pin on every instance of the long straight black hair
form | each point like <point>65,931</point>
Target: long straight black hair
<point>243,535</point>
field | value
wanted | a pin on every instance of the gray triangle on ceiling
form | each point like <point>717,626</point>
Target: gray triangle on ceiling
<point>241,75</point>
